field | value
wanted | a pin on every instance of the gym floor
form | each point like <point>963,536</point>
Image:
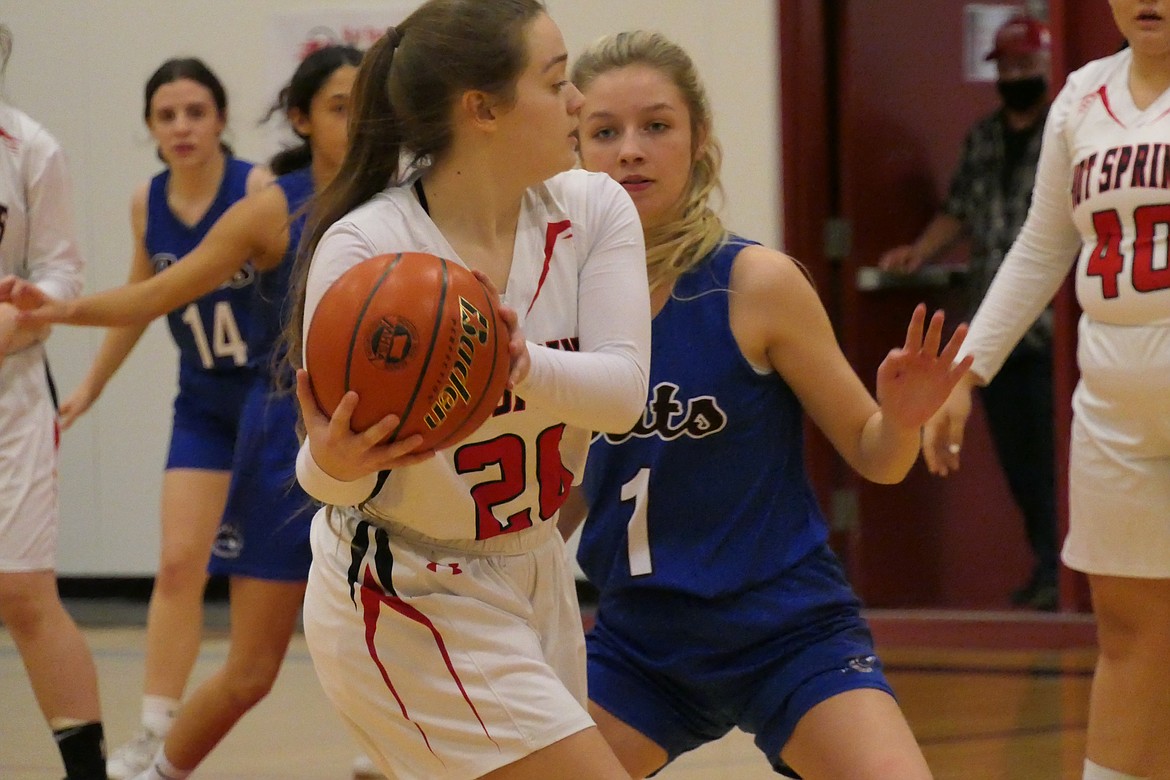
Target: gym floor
<point>989,698</point>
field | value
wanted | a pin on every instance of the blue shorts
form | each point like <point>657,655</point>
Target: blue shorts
<point>206,420</point>
<point>685,671</point>
<point>265,529</point>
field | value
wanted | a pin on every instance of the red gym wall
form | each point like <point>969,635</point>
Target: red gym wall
<point>874,108</point>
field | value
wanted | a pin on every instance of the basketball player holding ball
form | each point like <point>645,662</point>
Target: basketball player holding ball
<point>721,604</point>
<point>441,611</point>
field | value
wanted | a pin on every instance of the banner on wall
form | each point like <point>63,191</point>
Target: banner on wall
<point>296,34</point>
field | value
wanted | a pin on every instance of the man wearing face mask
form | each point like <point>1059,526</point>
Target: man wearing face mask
<point>986,205</point>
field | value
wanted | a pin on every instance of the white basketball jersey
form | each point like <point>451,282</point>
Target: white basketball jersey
<point>578,282</point>
<point>1101,202</point>
<point>36,243</point>
<point>1120,193</point>
<point>36,212</point>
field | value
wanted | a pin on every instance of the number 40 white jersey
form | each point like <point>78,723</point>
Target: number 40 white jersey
<point>1102,199</point>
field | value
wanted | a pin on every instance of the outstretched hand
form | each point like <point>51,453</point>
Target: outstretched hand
<point>914,380</point>
<point>15,333</point>
<point>347,455</point>
<point>36,307</point>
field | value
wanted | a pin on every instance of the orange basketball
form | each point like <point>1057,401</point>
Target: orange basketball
<point>414,335</point>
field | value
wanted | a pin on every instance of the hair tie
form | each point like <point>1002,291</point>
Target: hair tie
<point>392,34</point>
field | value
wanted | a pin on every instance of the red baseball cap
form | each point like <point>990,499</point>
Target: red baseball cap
<point>1020,35</point>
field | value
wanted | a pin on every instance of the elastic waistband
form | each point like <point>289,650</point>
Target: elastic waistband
<point>516,543</point>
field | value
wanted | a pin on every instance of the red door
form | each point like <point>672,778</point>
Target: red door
<point>870,140</point>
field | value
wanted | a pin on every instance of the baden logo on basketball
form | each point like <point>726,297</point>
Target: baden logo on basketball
<point>473,336</point>
<point>390,342</point>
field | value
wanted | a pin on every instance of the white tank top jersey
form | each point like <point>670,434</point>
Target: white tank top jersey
<point>1102,200</point>
<point>578,283</point>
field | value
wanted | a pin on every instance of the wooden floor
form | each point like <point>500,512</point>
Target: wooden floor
<point>980,714</point>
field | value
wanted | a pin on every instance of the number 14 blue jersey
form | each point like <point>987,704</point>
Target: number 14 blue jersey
<point>211,332</point>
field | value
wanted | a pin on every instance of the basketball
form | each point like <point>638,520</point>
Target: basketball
<point>414,335</point>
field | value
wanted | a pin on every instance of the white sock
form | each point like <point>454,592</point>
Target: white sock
<point>158,714</point>
<point>1097,772</point>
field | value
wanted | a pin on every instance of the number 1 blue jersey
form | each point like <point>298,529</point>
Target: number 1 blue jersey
<point>211,332</point>
<point>707,495</point>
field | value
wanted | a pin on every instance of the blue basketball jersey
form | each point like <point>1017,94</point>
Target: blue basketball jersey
<point>265,529</point>
<point>211,332</point>
<point>707,495</point>
<point>270,306</point>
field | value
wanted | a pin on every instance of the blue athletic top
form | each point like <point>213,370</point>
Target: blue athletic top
<point>270,306</point>
<point>211,332</point>
<point>707,495</point>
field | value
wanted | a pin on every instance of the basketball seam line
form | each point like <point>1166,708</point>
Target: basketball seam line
<point>435,329</point>
<point>362,316</point>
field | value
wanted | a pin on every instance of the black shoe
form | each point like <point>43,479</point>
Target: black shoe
<point>1039,593</point>
<point>1023,594</point>
<point>1045,599</point>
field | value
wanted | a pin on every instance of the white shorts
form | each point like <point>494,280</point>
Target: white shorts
<point>444,662</point>
<point>1119,470</point>
<point>28,465</point>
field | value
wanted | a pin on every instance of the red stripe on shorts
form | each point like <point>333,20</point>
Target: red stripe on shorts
<point>372,597</point>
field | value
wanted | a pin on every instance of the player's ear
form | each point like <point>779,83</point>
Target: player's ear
<point>479,107</point>
<point>299,122</point>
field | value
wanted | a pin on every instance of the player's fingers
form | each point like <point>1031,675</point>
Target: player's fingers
<point>66,415</point>
<point>512,321</point>
<point>521,362</point>
<point>31,318</point>
<point>930,448</point>
<point>377,434</point>
<point>486,281</point>
<point>951,350</point>
<point>959,370</point>
<point>914,329</point>
<point>933,338</point>
<point>406,449</point>
<point>310,409</point>
<point>340,422</point>
<point>954,445</point>
<point>28,296</point>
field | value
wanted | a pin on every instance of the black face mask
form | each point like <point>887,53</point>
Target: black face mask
<point>1022,94</point>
